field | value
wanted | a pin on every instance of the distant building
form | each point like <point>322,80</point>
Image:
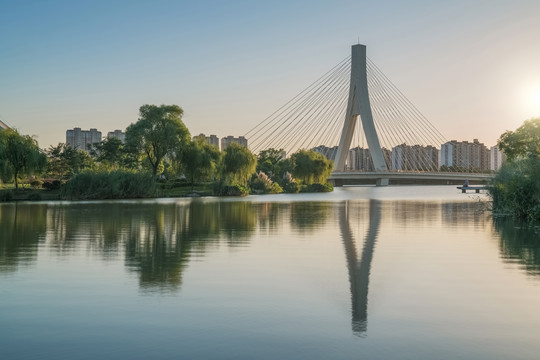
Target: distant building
<point>415,158</point>
<point>119,134</point>
<point>465,155</point>
<point>497,158</point>
<point>328,152</point>
<point>211,140</point>
<point>225,141</point>
<point>359,159</point>
<point>82,139</point>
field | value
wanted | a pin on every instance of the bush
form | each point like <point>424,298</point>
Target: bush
<point>34,196</point>
<point>52,185</point>
<point>317,188</point>
<point>118,184</point>
<point>6,195</point>
<point>232,190</point>
<point>36,183</point>
<point>515,190</point>
<point>289,184</point>
<point>261,184</point>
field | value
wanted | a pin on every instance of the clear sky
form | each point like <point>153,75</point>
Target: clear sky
<point>471,67</point>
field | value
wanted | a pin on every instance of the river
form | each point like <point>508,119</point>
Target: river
<point>406,272</point>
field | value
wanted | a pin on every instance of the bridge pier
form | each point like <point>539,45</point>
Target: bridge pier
<point>382,182</point>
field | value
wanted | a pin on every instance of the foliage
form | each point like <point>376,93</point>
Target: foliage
<point>316,188</point>
<point>158,133</point>
<point>116,184</point>
<point>65,161</point>
<point>289,183</point>
<point>19,155</point>
<point>110,152</point>
<point>516,189</point>
<point>311,166</point>
<point>231,190</point>
<point>36,183</point>
<point>237,165</point>
<point>262,183</point>
<point>199,160</point>
<point>524,142</point>
<point>6,195</point>
<point>272,162</point>
<point>34,196</point>
<point>52,185</point>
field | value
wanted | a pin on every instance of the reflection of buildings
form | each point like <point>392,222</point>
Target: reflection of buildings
<point>359,269</point>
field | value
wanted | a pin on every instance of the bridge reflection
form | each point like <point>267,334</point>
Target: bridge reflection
<point>359,267</point>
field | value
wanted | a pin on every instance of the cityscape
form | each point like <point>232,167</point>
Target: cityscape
<point>270,180</point>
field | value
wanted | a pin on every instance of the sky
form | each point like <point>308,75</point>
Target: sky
<point>471,67</point>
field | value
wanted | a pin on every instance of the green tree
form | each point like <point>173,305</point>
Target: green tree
<point>158,133</point>
<point>311,166</point>
<point>65,161</point>
<point>523,142</point>
<point>20,155</point>
<point>238,164</point>
<point>199,160</point>
<point>109,152</point>
<point>270,162</point>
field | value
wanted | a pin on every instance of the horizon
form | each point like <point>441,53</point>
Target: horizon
<point>473,74</point>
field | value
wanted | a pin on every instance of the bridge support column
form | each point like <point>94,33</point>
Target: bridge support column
<point>382,182</point>
<point>359,106</point>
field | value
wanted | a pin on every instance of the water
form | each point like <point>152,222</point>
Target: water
<point>376,273</point>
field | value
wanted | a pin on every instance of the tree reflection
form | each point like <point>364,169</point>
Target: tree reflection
<point>359,269</point>
<point>519,244</point>
<point>21,227</point>
<point>309,216</point>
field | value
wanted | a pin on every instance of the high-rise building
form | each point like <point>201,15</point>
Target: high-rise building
<point>119,134</point>
<point>415,158</point>
<point>496,157</point>
<point>225,141</point>
<point>359,159</point>
<point>465,155</point>
<point>328,152</point>
<point>211,140</point>
<point>82,139</point>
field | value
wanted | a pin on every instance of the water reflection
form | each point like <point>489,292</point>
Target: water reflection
<point>520,244</point>
<point>21,226</point>
<point>359,268</point>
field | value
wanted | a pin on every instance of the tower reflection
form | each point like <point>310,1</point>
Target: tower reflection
<point>359,267</point>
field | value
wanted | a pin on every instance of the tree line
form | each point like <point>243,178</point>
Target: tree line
<point>159,146</point>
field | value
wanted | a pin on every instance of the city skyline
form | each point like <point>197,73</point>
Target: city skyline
<point>473,74</point>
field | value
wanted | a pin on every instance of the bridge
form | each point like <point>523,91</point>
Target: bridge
<point>393,143</point>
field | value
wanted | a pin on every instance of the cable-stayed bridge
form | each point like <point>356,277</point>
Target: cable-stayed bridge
<point>393,141</point>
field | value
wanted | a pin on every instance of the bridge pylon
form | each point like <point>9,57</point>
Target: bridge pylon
<point>359,106</point>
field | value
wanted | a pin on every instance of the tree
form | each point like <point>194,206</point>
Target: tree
<point>270,162</point>
<point>65,161</point>
<point>199,160</point>
<point>158,133</point>
<point>524,142</point>
<point>20,155</point>
<point>238,164</point>
<point>311,166</point>
<point>109,152</point>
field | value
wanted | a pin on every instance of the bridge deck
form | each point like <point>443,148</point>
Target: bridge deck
<point>404,177</point>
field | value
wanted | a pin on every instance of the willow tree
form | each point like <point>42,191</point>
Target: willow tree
<point>158,133</point>
<point>311,166</point>
<point>199,160</point>
<point>238,164</point>
<point>19,155</point>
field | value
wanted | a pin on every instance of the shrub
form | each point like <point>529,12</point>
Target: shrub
<point>34,196</point>
<point>515,189</point>
<point>262,184</point>
<point>6,195</point>
<point>289,184</point>
<point>233,190</point>
<point>117,184</point>
<point>52,185</point>
<point>317,188</point>
<point>36,183</point>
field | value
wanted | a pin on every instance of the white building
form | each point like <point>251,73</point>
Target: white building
<point>211,140</point>
<point>82,139</point>
<point>496,158</point>
<point>466,155</point>
<point>225,141</point>
<point>119,134</point>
